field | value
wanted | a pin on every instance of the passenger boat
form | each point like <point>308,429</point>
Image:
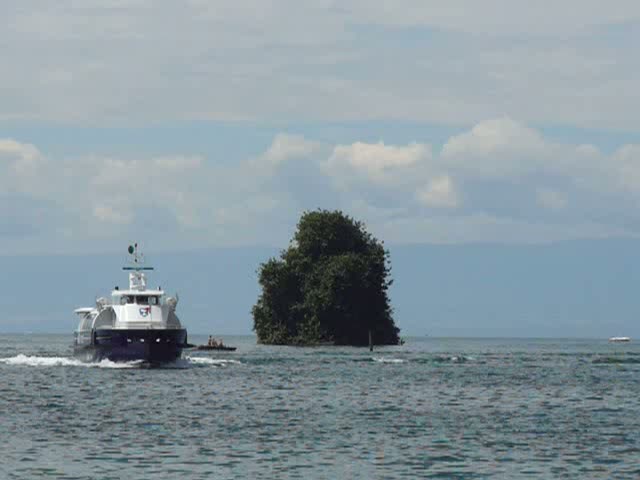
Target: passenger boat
<point>135,324</point>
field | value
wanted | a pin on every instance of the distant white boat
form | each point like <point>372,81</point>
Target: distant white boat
<point>620,339</point>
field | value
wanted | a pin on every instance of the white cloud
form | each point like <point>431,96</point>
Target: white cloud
<point>442,62</point>
<point>497,148</point>
<point>286,147</point>
<point>494,136</point>
<point>626,164</point>
<point>375,158</point>
<point>376,162</point>
<point>107,214</point>
<point>500,17</point>
<point>117,188</point>
<point>139,176</point>
<point>439,192</point>
<point>20,152</point>
<point>499,181</point>
<point>19,167</point>
<point>551,199</point>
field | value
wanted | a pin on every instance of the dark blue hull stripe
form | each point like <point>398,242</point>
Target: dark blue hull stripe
<point>130,345</point>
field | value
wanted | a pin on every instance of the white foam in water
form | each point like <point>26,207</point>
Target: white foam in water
<point>109,364</point>
<point>460,359</point>
<point>388,360</point>
<point>35,361</point>
<point>211,361</point>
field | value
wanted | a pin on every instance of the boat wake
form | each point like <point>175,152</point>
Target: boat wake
<point>451,359</point>
<point>36,361</point>
<point>388,360</point>
<point>219,362</point>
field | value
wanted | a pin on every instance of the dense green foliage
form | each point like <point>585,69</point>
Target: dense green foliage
<point>330,285</point>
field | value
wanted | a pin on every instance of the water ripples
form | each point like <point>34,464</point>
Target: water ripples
<point>468,409</point>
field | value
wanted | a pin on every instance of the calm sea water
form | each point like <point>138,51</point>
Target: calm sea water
<point>433,408</point>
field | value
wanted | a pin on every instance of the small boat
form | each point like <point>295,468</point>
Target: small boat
<point>619,339</point>
<point>216,347</point>
<point>135,324</point>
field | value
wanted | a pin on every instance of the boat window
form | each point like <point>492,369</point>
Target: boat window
<point>153,300</point>
<point>143,300</point>
<point>130,299</point>
<point>123,300</point>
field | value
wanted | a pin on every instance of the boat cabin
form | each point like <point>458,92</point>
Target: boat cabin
<point>123,298</point>
<point>134,308</point>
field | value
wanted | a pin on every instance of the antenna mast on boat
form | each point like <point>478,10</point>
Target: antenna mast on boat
<point>137,279</point>
<point>136,258</point>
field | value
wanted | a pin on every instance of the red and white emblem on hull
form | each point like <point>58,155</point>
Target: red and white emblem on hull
<point>144,311</point>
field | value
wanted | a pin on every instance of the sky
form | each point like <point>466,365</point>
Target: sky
<point>214,124</point>
<point>583,288</point>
